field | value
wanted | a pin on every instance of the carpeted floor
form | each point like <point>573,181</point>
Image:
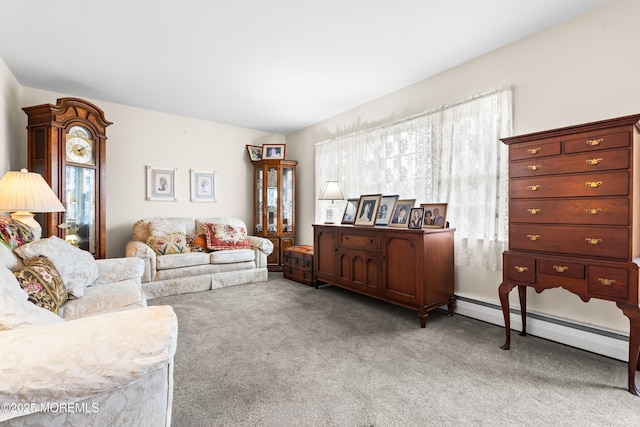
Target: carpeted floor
<point>281,353</point>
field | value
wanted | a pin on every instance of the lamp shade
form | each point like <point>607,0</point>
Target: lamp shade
<point>27,191</point>
<point>331,191</point>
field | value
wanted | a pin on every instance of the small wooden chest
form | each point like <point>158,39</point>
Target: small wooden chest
<point>298,264</point>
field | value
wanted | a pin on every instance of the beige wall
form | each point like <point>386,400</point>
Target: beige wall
<point>141,137</point>
<point>583,70</point>
<point>9,119</point>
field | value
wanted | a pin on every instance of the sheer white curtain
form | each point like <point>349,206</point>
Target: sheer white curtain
<point>450,155</point>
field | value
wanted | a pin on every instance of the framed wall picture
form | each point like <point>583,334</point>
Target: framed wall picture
<point>203,186</point>
<point>350,210</point>
<point>400,214</point>
<point>367,209</point>
<point>386,206</point>
<point>435,215</point>
<point>255,152</point>
<point>273,151</point>
<point>416,217</point>
<point>161,184</point>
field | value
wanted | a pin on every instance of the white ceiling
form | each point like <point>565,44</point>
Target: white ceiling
<point>273,65</point>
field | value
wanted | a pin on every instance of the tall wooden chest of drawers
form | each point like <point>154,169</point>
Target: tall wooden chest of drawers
<point>574,219</point>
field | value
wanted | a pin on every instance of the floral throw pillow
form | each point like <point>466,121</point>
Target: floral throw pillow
<point>16,310</point>
<point>221,237</point>
<point>14,233</point>
<point>173,243</point>
<point>41,280</point>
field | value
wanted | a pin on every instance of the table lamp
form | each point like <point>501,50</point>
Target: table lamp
<point>26,192</point>
<point>331,191</point>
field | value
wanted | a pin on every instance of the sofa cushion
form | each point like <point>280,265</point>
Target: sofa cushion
<point>204,270</point>
<point>117,296</point>
<point>41,281</point>
<point>87,359</point>
<point>225,237</point>
<point>77,267</point>
<point>164,226</point>
<point>15,310</point>
<point>181,260</point>
<point>172,243</point>
<point>229,257</point>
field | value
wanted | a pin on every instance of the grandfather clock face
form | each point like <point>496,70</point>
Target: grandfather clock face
<point>80,146</point>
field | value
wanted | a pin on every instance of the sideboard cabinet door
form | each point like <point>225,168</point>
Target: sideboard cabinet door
<point>325,254</point>
<point>401,268</point>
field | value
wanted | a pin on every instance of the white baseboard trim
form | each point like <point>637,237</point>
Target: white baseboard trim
<point>576,335</point>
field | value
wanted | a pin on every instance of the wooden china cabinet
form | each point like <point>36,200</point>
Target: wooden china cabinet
<point>574,219</point>
<point>274,206</point>
<point>67,146</point>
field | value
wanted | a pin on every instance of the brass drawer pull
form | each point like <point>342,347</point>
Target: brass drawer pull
<point>533,167</point>
<point>594,162</point>
<point>533,187</point>
<point>560,268</point>
<point>606,282</point>
<point>593,184</point>
<point>591,241</point>
<point>520,269</point>
<point>533,150</point>
<point>533,237</point>
<point>593,211</point>
<point>533,211</point>
<point>594,142</point>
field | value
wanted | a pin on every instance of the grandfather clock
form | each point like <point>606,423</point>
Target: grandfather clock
<point>67,146</point>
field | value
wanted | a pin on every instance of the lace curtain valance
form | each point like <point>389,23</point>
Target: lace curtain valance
<point>450,155</point>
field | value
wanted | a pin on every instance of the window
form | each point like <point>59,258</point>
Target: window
<point>450,155</point>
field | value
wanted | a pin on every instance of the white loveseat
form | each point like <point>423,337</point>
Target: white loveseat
<point>104,359</point>
<point>177,273</point>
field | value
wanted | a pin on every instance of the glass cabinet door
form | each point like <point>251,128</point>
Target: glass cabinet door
<point>80,199</point>
<point>273,206</point>
<point>259,201</point>
<point>287,200</point>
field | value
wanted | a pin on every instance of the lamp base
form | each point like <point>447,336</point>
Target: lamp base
<point>329,215</point>
<point>27,218</point>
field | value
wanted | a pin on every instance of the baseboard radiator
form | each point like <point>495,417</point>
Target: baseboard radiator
<point>577,335</point>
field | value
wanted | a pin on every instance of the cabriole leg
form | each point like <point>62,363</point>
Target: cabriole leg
<point>633,313</point>
<point>522,294</point>
<point>503,293</point>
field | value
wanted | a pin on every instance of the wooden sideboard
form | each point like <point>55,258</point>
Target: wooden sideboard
<point>574,219</point>
<point>406,267</point>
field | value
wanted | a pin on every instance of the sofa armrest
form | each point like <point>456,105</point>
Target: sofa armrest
<point>262,248</point>
<point>85,356</point>
<point>118,269</point>
<point>141,250</point>
<point>263,245</point>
